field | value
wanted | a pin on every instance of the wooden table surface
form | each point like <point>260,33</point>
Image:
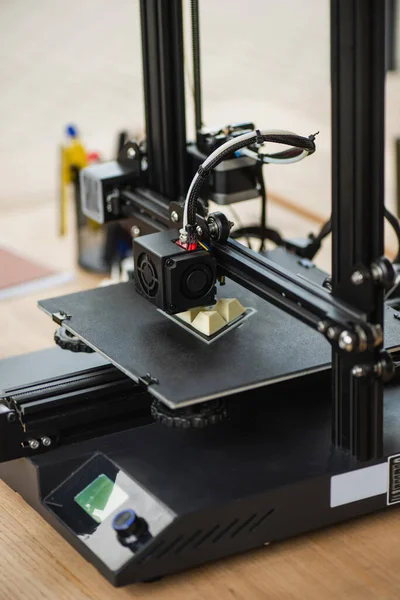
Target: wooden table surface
<point>357,560</point>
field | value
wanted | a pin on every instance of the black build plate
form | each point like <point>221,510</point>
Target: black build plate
<point>269,346</point>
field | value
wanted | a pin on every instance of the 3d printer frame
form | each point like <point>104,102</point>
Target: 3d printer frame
<point>359,273</point>
<point>351,317</point>
<point>197,513</point>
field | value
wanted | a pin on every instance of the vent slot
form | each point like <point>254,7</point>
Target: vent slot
<point>150,552</point>
<point>261,520</point>
<point>189,541</point>
<point>206,536</point>
<point>224,531</point>
<point>170,547</point>
<point>241,527</point>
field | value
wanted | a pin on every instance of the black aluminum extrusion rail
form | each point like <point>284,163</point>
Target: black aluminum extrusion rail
<point>299,297</point>
<point>358,93</point>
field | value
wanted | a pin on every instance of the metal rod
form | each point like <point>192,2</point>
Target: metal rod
<point>195,17</point>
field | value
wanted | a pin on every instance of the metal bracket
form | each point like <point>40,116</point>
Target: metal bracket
<point>60,316</point>
<point>147,380</point>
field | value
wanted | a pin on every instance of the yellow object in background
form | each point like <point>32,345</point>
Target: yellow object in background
<point>73,159</point>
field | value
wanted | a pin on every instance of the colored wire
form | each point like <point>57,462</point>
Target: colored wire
<point>203,246</point>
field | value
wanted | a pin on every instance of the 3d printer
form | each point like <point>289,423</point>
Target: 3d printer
<point>268,437</point>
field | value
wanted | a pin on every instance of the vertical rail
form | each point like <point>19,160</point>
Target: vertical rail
<point>358,85</point>
<point>164,95</point>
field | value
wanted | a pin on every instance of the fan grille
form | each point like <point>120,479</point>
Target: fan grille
<point>147,275</point>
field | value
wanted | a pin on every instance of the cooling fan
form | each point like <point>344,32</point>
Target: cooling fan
<point>169,276</point>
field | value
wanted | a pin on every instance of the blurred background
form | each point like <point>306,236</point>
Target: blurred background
<point>80,62</point>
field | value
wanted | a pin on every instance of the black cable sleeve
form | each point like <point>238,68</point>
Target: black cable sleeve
<point>289,153</point>
<point>202,172</point>
<point>278,138</point>
<point>263,196</point>
<point>289,140</point>
<point>192,207</point>
<point>324,231</point>
<point>392,219</point>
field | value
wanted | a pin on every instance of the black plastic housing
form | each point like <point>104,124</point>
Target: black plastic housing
<point>169,276</point>
<point>233,180</point>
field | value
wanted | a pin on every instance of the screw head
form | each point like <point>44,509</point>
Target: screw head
<point>199,231</point>
<point>322,326</point>
<point>331,333</point>
<point>346,341</point>
<point>33,444</point>
<point>357,371</point>
<point>357,278</point>
<point>135,231</point>
<point>46,441</point>
<point>174,216</point>
<point>169,263</point>
<point>131,152</point>
<point>327,284</point>
<point>11,417</point>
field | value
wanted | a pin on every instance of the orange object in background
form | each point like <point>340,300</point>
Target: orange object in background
<point>20,275</point>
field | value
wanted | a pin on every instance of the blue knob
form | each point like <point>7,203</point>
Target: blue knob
<point>125,523</point>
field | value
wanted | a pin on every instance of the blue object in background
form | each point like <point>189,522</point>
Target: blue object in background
<point>71,131</point>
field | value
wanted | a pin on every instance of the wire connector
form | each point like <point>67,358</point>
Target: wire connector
<point>202,172</point>
<point>259,138</point>
<point>191,237</point>
<point>188,238</point>
<point>313,136</point>
<point>183,236</point>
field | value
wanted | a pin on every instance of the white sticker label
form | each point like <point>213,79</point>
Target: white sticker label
<point>359,484</point>
<point>393,495</point>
